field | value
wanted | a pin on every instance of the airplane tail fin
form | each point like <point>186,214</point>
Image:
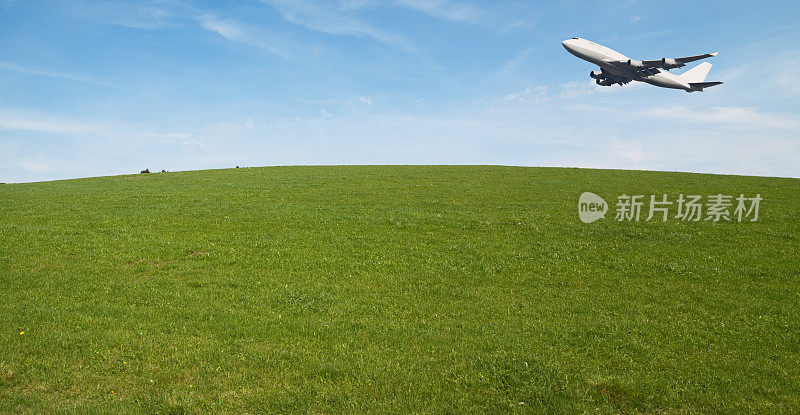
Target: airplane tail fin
<point>697,74</point>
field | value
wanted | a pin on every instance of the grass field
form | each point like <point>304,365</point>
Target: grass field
<point>393,290</point>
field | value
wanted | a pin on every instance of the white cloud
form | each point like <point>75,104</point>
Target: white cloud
<point>537,94</point>
<point>512,63</point>
<point>536,135</point>
<point>333,18</point>
<point>17,120</point>
<point>27,121</point>
<point>233,30</point>
<point>135,15</point>
<point>578,89</point>
<point>777,74</point>
<point>788,79</point>
<point>226,28</point>
<point>566,91</point>
<point>52,74</point>
<point>35,166</point>
<point>739,116</point>
<point>443,9</point>
<point>370,100</point>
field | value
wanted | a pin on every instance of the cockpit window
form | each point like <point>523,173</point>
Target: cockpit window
<point>575,38</point>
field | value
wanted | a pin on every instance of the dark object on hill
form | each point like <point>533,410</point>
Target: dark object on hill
<point>163,171</point>
<point>145,171</point>
<point>237,167</point>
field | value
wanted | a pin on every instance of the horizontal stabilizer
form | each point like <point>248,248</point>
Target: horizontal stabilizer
<point>699,86</point>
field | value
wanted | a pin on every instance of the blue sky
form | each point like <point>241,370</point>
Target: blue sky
<point>91,88</point>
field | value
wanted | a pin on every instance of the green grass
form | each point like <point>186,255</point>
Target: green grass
<point>393,290</point>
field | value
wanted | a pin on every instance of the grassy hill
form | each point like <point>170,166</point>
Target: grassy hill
<point>393,289</point>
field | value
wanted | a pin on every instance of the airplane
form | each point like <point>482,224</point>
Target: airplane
<point>616,68</point>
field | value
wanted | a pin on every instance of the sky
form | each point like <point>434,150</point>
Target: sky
<point>94,88</point>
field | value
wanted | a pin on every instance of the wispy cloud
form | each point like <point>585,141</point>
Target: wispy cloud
<point>335,18</point>
<point>135,15</point>
<point>35,166</point>
<point>782,67</point>
<point>34,121</point>
<point>52,74</point>
<point>235,31</point>
<point>42,122</point>
<point>536,95</point>
<point>788,78</point>
<point>565,93</point>
<point>443,9</point>
<point>226,28</point>
<point>579,89</point>
<point>370,100</point>
<point>738,116</point>
<point>521,57</point>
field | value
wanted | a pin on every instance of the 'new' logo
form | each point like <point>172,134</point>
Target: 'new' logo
<point>591,207</point>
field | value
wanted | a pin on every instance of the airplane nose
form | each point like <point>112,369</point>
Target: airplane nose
<point>567,44</point>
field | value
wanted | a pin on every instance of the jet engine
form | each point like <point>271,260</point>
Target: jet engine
<point>596,75</point>
<point>669,63</point>
<point>633,63</point>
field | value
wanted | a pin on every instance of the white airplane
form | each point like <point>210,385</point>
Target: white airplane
<point>616,68</point>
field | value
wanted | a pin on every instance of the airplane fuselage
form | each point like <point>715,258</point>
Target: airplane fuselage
<point>608,60</point>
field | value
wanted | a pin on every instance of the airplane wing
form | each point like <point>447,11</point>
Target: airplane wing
<point>615,80</point>
<point>642,68</point>
<point>620,80</point>
<point>669,63</point>
<point>604,78</point>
